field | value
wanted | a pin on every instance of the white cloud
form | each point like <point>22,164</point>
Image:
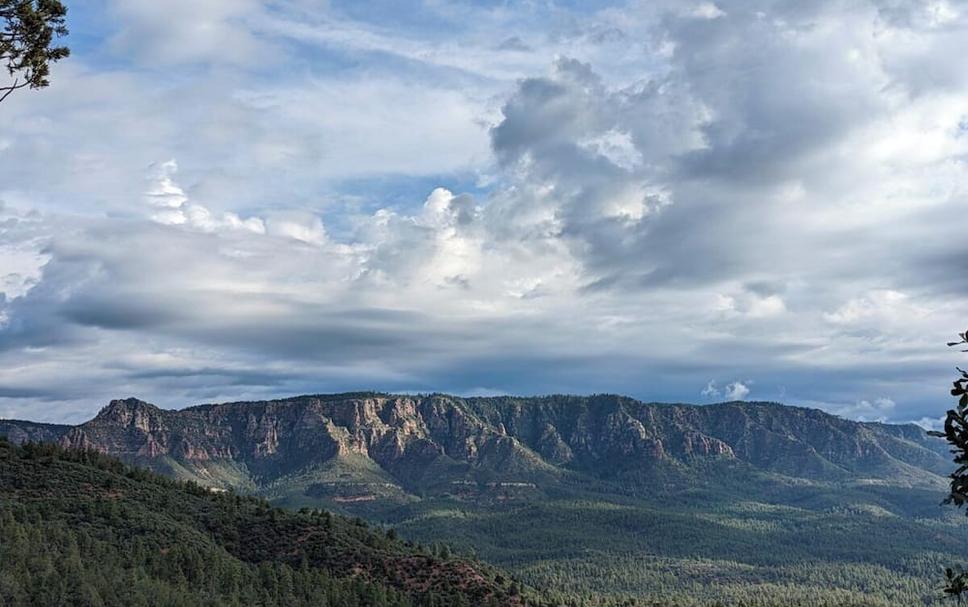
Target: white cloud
<point>616,147</point>
<point>874,410</point>
<point>303,227</point>
<point>174,208</point>
<point>711,390</point>
<point>749,304</point>
<point>877,306</point>
<point>736,391</point>
<point>930,423</point>
<point>708,10</point>
<point>163,191</point>
<point>217,31</point>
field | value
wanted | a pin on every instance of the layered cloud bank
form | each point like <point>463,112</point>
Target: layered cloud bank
<point>679,202</point>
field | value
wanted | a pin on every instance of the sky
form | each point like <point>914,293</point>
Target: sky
<point>673,200</point>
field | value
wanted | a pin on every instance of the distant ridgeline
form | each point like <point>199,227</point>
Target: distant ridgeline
<point>735,503</point>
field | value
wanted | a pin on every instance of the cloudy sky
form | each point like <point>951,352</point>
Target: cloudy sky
<point>674,200</point>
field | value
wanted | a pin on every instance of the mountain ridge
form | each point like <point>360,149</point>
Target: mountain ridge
<point>512,439</point>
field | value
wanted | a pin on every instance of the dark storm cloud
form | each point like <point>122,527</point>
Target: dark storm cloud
<point>127,313</point>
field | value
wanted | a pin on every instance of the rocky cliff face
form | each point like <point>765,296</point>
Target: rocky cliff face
<point>344,445</point>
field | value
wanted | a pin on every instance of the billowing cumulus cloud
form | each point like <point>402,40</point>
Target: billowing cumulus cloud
<point>632,197</point>
<point>174,208</point>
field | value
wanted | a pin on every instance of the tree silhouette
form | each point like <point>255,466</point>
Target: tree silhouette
<point>956,433</point>
<point>27,41</point>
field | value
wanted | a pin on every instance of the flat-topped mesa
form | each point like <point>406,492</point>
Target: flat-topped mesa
<point>426,443</point>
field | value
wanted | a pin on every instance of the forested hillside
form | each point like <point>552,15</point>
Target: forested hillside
<point>79,528</point>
